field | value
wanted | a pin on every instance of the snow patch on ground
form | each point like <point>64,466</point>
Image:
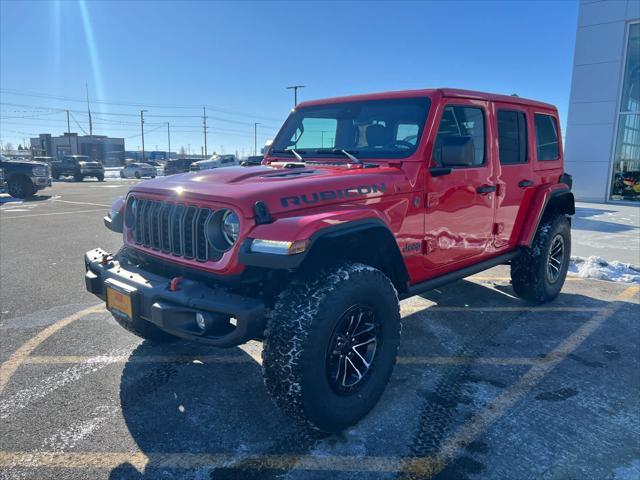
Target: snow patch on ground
<point>600,269</point>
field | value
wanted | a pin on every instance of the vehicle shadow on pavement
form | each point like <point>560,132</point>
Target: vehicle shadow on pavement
<point>34,199</point>
<point>205,411</point>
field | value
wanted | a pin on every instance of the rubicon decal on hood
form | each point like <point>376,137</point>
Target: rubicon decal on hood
<point>328,195</point>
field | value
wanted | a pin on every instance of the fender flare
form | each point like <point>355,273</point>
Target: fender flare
<point>557,196</point>
<point>326,232</point>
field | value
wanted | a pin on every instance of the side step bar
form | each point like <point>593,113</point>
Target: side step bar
<point>450,277</point>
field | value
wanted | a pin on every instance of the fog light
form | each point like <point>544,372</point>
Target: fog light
<point>201,321</point>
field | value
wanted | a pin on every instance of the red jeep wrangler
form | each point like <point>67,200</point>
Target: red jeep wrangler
<point>360,201</point>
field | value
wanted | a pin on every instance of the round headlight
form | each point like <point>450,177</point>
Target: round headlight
<point>230,227</point>
<point>130,213</point>
<point>223,229</point>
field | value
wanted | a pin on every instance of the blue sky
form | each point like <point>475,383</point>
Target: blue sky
<point>237,58</point>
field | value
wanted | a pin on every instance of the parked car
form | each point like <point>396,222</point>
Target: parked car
<point>138,170</point>
<point>78,167</point>
<point>3,183</point>
<point>177,165</point>
<point>153,163</point>
<point>252,160</point>
<point>216,161</point>
<point>312,251</point>
<point>24,178</point>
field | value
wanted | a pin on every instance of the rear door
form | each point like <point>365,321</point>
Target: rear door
<point>460,203</point>
<point>515,178</point>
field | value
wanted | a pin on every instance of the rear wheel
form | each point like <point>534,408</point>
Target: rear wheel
<point>331,344</point>
<point>100,178</point>
<point>539,272</point>
<point>77,177</point>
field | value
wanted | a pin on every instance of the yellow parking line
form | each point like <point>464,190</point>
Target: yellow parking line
<point>427,467</point>
<point>185,460</point>
<point>9,366</point>
<point>434,308</point>
<point>150,359</point>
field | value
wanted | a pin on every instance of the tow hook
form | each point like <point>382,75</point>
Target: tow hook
<point>106,259</point>
<point>174,284</point>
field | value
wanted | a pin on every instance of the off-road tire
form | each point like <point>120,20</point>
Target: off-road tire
<point>299,331</point>
<point>145,330</point>
<point>21,187</point>
<point>529,269</point>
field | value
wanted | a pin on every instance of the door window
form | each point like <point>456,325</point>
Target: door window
<point>464,125</point>
<point>546,137</point>
<point>512,137</point>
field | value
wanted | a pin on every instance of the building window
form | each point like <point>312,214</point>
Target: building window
<point>626,157</point>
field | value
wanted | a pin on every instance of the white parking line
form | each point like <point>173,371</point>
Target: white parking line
<point>49,214</point>
<point>84,203</point>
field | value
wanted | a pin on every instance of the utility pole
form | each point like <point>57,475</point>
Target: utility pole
<point>89,111</point>
<point>295,93</point>
<point>69,132</point>
<point>204,127</point>
<point>202,151</point>
<point>168,142</point>
<point>142,130</point>
<point>255,138</point>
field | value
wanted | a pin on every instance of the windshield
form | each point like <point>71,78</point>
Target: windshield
<point>388,128</point>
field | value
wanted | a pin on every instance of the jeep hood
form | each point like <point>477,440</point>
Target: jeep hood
<point>281,189</point>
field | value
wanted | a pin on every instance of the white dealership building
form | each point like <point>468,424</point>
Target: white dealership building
<point>602,148</point>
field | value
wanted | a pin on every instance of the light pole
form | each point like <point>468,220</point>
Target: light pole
<point>295,93</point>
<point>255,138</point>
<point>168,142</point>
<point>142,130</point>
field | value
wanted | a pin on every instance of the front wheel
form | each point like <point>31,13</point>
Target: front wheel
<point>78,177</point>
<point>137,174</point>
<point>21,187</point>
<point>331,344</point>
<point>539,272</point>
<point>100,178</point>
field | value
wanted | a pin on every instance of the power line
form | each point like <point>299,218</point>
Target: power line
<point>134,104</point>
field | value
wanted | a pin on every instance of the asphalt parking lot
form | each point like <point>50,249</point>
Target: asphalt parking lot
<point>486,386</point>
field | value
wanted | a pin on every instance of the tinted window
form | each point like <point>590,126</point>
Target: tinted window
<point>462,122</point>
<point>374,128</point>
<point>546,137</point>
<point>512,137</point>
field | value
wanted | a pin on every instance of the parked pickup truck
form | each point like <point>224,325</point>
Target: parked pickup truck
<point>78,167</point>
<point>359,202</point>
<point>24,178</point>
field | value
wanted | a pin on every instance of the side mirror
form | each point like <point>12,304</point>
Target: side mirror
<point>457,152</point>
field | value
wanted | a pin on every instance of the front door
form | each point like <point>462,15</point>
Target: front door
<point>460,188</point>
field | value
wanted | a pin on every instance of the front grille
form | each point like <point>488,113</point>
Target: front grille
<point>173,228</point>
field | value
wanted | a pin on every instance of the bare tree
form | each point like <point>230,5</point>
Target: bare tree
<point>182,151</point>
<point>8,146</point>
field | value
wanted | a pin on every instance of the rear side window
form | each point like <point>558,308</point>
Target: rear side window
<point>512,137</point>
<point>546,137</point>
<point>462,122</point>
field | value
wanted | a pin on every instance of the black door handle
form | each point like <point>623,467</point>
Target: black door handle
<point>525,183</point>
<point>486,189</point>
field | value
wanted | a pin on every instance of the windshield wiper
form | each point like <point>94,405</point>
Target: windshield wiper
<point>293,152</point>
<point>349,154</point>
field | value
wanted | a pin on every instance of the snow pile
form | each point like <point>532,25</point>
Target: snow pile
<point>600,269</point>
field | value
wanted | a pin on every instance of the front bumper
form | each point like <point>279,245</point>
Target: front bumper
<point>41,182</point>
<point>232,319</point>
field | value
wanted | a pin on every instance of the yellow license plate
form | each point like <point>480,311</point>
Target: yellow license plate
<point>119,301</point>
